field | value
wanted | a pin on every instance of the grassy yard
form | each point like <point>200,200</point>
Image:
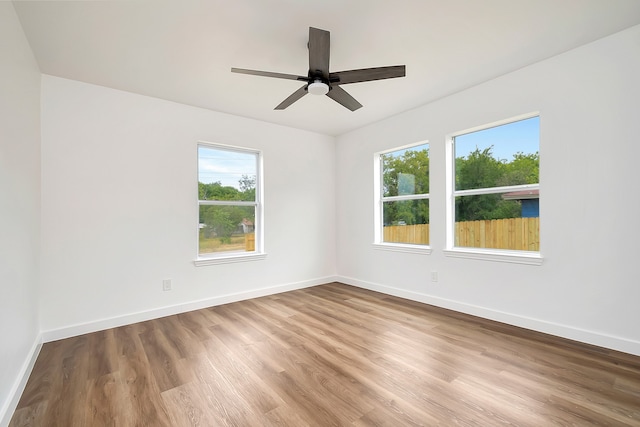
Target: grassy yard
<point>215,245</point>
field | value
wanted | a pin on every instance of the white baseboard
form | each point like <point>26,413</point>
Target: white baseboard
<point>114,322</point>
<point>564,331</point>
<point>9,406</point>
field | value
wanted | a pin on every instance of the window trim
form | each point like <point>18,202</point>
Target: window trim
<point>379,201</point>
<point>486,254</point>
<point>498,255</point>
<point>233,257</point>
<point>403,247</point>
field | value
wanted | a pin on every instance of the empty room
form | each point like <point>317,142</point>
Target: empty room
<point>332,213</point>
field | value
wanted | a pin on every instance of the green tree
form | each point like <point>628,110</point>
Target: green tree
<point>223,221</point>
<point>478,170</point>
<point>523,169</point>
<point>247,186</point>
<point>413,163</point>
<point>481,170</point>
<point>219,222</point>
<point>216,191</point>
<point>403,175</point>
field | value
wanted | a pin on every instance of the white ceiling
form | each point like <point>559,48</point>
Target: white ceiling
<point>183,50</point>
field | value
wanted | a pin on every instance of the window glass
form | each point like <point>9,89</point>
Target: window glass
<point>228,200</point>
<point>405,171</point>
<point>496,189</point>
<point>404,199</point>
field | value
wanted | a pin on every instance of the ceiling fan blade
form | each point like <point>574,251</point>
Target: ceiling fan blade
<point>367,74</point>
<point>319,52</point>
<point>342,97</point>
<point>269,74</point>
<point>292,98</point>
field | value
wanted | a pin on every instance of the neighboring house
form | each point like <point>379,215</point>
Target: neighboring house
<point>247,226</point>
<point>529,200</point>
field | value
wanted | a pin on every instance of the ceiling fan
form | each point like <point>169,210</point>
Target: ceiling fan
<point>322,82</point>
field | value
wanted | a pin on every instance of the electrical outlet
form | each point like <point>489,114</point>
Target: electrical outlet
<point>434,276</point>
<point>166,285</point>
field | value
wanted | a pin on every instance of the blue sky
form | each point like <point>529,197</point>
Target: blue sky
<point>521,136</point>
<point>224,166</point>
<point>400,153</point>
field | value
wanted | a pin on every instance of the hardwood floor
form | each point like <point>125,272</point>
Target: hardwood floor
<point>331,355</point>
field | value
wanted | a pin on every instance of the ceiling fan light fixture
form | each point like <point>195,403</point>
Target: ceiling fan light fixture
<point>318,88</point>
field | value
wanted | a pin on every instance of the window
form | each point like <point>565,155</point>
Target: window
<point>230,220</point>
<point>402,189</point>
<point>495,194</point>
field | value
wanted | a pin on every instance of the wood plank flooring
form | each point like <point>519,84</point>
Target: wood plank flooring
<point>330,355</point>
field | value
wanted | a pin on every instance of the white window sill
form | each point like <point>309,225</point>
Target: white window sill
<point>227,259</point>
<point>516,257</point>
<point>406,248</point>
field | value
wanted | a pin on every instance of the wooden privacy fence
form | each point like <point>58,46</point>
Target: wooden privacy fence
<point>521,234</point>
<point>417,234</point>
<point>512,233</point>
<point>250,242</point>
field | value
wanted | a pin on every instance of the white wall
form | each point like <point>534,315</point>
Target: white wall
<point>119,208</point>
<point>19,207</point>
<point>587,288</point>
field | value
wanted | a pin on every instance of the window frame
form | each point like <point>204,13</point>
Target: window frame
<point>379,200</point>
<point>488,254</point>
<point>258,204</point>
